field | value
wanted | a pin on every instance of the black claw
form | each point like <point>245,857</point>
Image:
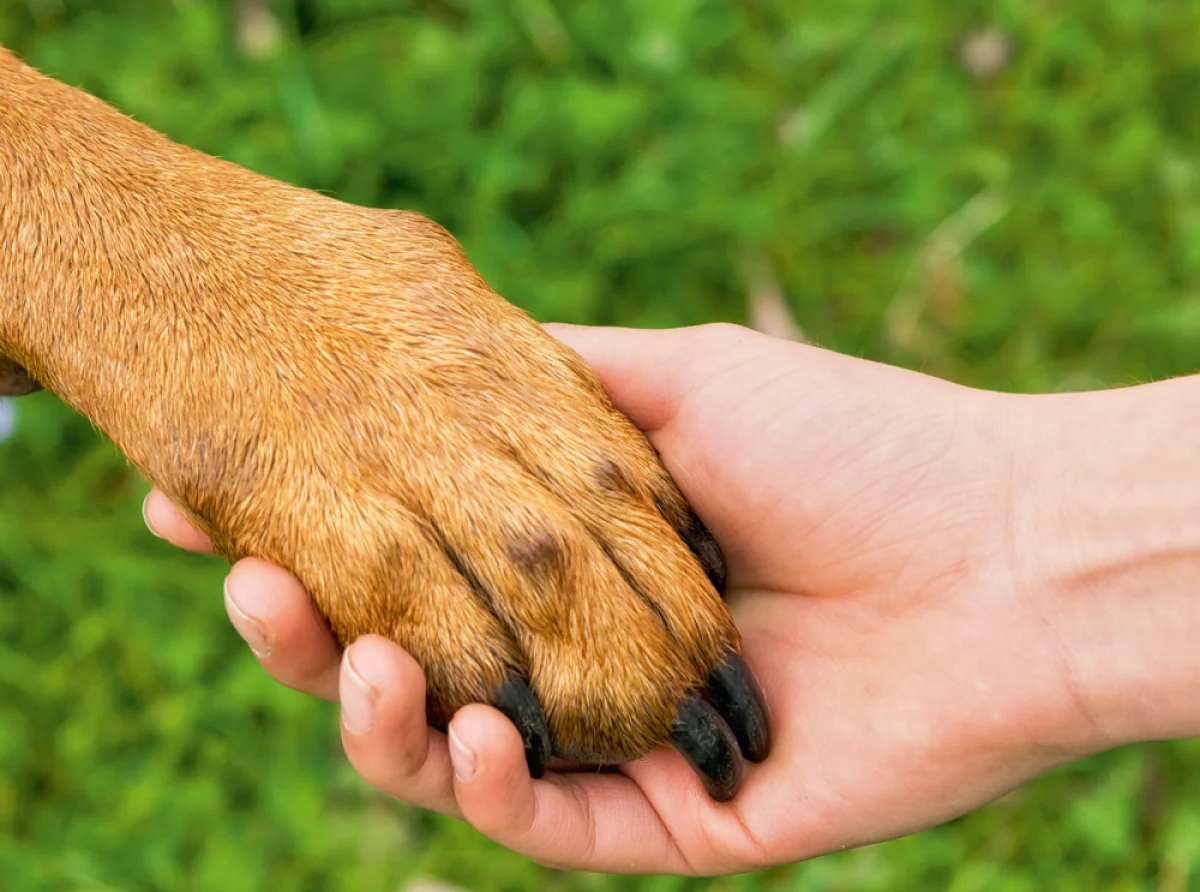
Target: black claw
<point>707,551</point>
<point>517,702</point>
<point>703,738</point>
<point>738,698</point>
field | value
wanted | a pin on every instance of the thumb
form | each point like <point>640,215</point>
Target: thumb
<point>650,373</point>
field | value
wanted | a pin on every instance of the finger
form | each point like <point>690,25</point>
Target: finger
<point>648,373</point>
<point>167,522</point>
<point>583,821</point>
<point>275,616</point>
<point>384,728</point>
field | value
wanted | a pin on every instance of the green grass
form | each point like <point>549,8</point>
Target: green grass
<point>609,162</point>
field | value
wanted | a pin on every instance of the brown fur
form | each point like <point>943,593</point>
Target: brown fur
<point>335,389</point>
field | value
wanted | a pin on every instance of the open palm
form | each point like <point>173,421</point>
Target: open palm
<point>872,542</point>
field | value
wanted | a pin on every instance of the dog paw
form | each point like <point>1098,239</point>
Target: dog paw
<point>364,410</point>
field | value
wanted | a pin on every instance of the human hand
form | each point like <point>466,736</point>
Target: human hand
<point>886,573</point>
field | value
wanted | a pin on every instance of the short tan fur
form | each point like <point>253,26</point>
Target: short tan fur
<point>336,389</point>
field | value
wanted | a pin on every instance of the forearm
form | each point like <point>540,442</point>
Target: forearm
<point>1107,532</point>
<point>85,200</point>
<point>126,254</point>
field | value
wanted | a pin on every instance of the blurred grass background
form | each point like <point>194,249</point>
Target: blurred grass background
<point>1006,193</point>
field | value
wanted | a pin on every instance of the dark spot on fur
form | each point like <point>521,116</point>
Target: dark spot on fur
<point>535,552</point>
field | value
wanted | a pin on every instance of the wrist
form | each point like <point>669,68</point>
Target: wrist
<point>1106,526</point>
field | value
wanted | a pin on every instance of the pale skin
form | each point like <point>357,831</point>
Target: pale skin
<point>943,591</point>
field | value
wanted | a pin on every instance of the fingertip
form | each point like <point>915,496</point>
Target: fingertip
<point>261,587</point>
<point>273,612</point>
<point>386,665</point>
<point>152,512</point>
<point>378,672</point>
<point>378,679</point>
<point>462,757</point>
<point>167,522</point>
<point>491,776</point>
<point>384,730</point>
<point>493,740</point>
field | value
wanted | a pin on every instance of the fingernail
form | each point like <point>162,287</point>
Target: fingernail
<point>146,515</point>
<point>358,699</point>
<point>461,758</point>
<point>248,627</point>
